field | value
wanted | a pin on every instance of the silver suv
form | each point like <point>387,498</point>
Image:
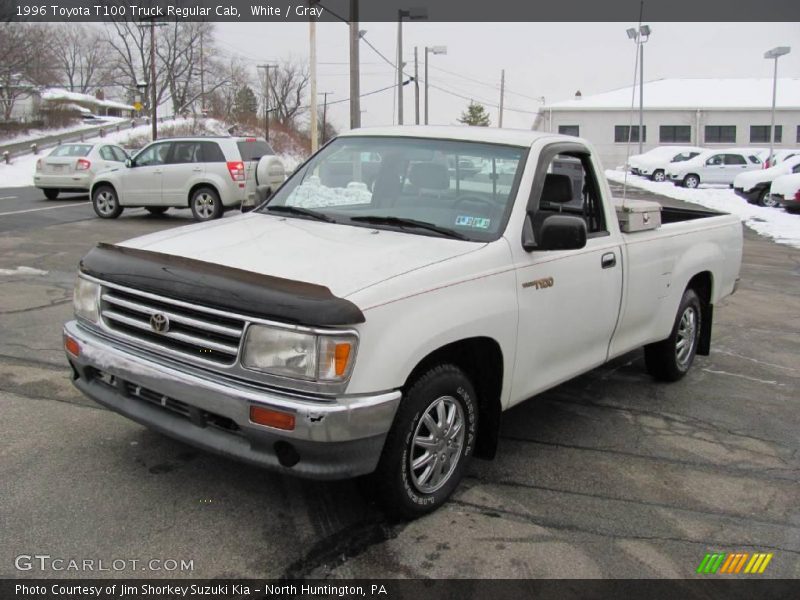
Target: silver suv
<point>206,174</point>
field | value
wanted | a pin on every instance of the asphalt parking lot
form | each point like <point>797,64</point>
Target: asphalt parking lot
<point>608,475</point>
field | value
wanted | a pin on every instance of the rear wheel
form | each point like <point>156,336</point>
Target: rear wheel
<point>106,203</point>
<point>50,193</point>
<point>670,359</point>
<point>691,181</point>
<point>205,204</point>
<point>156,210</point>
<point>659,175</point>
<point>430,443</point>
<point>766,199</point>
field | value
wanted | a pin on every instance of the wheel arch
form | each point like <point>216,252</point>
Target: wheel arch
<point>102,183</point>
<point>197,186</point>
<point>481,359</point>
<point>703,285</point>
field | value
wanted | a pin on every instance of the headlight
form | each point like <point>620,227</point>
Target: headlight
<point>299,355</point>
<point>86,300</point>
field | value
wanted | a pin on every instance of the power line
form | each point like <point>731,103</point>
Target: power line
<point>494,87</point>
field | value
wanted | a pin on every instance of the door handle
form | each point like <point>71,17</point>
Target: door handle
<point>609,260</point>
<point>197,170</point>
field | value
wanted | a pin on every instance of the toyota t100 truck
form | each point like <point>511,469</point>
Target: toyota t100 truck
<point>379,312</point>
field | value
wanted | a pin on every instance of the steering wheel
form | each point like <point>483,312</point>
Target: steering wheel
<point>474,199</point>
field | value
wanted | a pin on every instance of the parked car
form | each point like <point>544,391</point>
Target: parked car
<point>785,190</point>
<point>778,156</point>
<point>73,167</point>
<point>713,166</point>
<point>205,174</point>
<point>754,186</point>
<point>656,167</point>
<point>650,163</point>
<point>342,329</point>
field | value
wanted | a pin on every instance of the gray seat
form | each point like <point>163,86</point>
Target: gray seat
<point>429,176</point>
<point>557,191</point>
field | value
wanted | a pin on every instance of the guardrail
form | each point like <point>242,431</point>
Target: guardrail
<point>81,135</point>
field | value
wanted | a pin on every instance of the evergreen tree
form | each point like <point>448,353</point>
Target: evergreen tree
<point>245,104</point>
<point>475,115</point>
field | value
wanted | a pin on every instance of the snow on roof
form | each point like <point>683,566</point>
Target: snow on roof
<point>694,94</point>
<point>61,95</point>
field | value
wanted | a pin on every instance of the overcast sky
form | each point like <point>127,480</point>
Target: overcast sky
<point>540,59</point>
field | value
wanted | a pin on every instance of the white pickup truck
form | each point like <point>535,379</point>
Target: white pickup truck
<point>382,308</point>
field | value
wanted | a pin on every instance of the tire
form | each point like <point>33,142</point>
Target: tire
<point>105,202</point>
<point>659,175</point>
<point>691,181</point>
<point>50,193</point>
<point>765,199</point>
<point>670,359</point>
<point>442,395</point>
<point>156,210</point>
<point>205,204</point>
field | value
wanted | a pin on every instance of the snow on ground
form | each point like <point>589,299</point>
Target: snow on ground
<point>774,223</point>
<point>35,134</point>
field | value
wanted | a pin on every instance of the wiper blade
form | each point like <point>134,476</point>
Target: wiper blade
<point>401,222</point>
<point>296,210</point>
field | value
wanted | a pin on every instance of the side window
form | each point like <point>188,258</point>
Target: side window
<point>754,159</point>
<point>106,153</point>
<point>153,155</point>
<point>185,152</point>
<point>571,188</point>
<point>211,152</point>
<point>119,153</point>
<point>735,159</point>
<point>796,169</point>
<point>715,160</point>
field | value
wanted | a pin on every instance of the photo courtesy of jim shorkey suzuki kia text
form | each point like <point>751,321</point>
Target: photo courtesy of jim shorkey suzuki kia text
<point>349,298</point>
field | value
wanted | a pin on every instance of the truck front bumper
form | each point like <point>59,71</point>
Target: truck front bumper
<point>334,438</point>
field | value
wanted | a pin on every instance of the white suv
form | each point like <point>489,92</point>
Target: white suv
<point>205,174</point>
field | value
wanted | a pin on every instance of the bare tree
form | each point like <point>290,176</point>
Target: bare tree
<point>82,56</point>
<point>26,62</point>
<point>288,83</point>
<point>225,80</point>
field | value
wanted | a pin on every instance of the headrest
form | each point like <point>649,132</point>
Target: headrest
<point>432,176</point>
<point>557,189</point>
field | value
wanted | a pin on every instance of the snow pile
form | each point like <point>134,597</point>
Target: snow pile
<point>774,223</point>
<point>312,194</point>
<point>61,95</point>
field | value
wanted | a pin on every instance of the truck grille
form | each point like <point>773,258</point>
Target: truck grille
<point>174,327</point>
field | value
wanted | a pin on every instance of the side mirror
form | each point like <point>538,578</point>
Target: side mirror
<point>128,163</point>
<point>554,232</point>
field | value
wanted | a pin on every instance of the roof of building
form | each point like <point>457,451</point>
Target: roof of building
<point>491,135</point>
<point>693,94</point>
<point>61,95</point>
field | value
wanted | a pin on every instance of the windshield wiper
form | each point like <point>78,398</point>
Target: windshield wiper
<point>402,222</point>
<point>296,210</point>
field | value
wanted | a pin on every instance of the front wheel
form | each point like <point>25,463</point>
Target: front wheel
<point>691,181</point>
<point>670,359</point>
<point>105,202</point>
<point>766,199</point>
<point>205,204</point>
<point>659,175</point>
<point>429,445</point>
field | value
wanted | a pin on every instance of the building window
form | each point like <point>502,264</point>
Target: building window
<point>720,134</point>
<point>798,134</point>
<point>621,133</point>
<point>760,133</point>
<point>674,134</point>
<point>569,130</point>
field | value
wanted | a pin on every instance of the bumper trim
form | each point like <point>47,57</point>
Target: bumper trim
<point>334,440</point>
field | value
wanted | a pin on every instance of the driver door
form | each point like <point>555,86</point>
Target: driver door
<point>143,180</point>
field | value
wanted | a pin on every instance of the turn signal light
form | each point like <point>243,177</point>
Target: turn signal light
<point>236,169</point>
<point>797,195</point>
<point>72,346</point>
<point>340,356</point>
<point>272,418</point>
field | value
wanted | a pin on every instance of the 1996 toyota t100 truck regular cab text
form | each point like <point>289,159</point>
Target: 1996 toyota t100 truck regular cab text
<point>381,310</point>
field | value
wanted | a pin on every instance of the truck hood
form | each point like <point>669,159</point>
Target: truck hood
<point>786,185</point>
<point>343,258</point>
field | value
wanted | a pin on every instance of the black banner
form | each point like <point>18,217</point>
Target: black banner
<point>276,11</point>
<point>393,589</point>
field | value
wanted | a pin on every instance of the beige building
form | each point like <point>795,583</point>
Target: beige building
<point>714,113</point>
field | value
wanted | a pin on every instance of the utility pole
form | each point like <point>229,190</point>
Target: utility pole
<point>400,68</point>
<point>324,113</point>
<point>266,97</point>
<point>312,38</point>
<point>502,94</point>
<point>416,86</point>
<point>202,79</point>
<point>355,83</point>
<point>153,98</point>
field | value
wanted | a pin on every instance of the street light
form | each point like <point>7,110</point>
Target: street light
<point>416,13</point>
<point>431,50</point>
<point>640,36</point>
<point>775,53</point>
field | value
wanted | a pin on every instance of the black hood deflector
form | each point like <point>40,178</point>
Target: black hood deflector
<point>220,287</point>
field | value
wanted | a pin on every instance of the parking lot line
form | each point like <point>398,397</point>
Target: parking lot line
<point>19,212</point>
<point>7,197</point>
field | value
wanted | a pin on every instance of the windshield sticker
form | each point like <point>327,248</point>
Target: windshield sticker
<point>474,222</point>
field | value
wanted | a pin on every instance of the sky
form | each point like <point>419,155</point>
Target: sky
<point>550,60</point>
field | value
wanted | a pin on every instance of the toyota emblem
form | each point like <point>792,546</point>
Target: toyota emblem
<point>159,323</point>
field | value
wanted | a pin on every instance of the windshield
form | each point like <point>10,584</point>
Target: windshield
<point>253,149</point>
<point>464,189</point>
